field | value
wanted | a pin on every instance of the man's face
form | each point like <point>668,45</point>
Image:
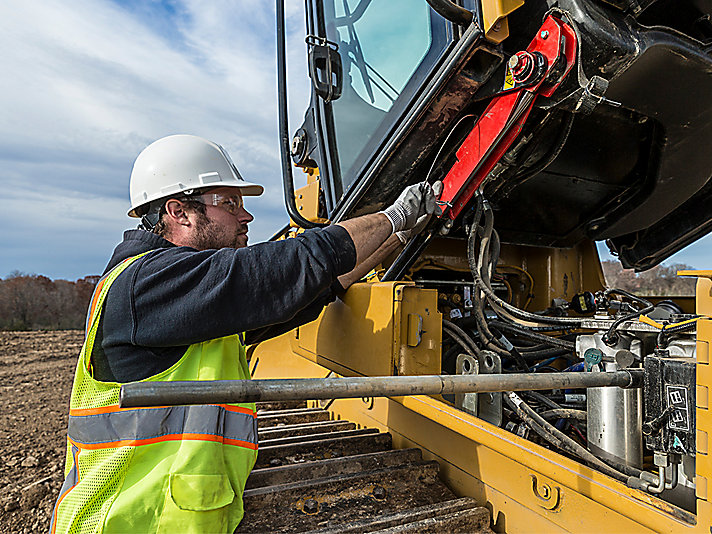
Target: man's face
<point>218,228</point>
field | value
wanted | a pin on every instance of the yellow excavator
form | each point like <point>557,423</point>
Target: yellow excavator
<point>485,377</point>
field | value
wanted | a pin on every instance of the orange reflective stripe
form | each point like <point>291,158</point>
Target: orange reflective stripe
<point>168,437</point>
<point>94,301</point>
<point>238,409</point>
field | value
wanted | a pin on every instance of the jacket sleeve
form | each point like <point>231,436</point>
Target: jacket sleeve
<point>306,315</point>
<point>182,296</point>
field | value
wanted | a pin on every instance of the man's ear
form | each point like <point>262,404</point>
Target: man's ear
<point>176,212</point>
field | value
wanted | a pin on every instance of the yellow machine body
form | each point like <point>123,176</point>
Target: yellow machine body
<point>394,328</point>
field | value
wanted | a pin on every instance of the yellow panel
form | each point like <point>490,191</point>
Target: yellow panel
<point>557,272</point>
<point>704,290</point>
<point>366,333</point>
<point>701,442</point>
<point>702,396</point>
<point>419,307</point>
<point>703,461</point>
<point>703,352</point>
<point>701,487</point>
<point>494,13</point>
<point>275,359</point>
<point>307,201</point>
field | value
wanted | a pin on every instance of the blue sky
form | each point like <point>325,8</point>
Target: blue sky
<point>87,84</point>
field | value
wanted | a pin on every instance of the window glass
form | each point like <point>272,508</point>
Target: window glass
<point>382,44</point>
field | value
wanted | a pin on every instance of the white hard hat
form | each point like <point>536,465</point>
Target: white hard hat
<point>179,164</point>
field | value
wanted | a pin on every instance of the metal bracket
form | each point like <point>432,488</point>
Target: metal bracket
<point>467,365</point>
<point>489,405</point>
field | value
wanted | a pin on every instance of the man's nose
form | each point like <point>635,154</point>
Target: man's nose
<point>245,216</point>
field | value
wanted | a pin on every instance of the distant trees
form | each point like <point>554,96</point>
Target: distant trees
<point>661,280</point>
<point>34,302</point>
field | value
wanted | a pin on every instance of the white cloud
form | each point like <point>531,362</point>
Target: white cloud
<point>87,84</point>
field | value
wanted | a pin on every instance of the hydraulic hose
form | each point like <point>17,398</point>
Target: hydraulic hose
<point>461,337</point>
<point>560,440</point>
<point>564,413</point>
<point>570,345</point>
<point>610,338</point>
<point>516,312</point>
<point>452,12</point>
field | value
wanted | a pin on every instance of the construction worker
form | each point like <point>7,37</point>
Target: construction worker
<point>180,298</point>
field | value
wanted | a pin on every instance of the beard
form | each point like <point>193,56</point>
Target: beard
<point>211,235</point>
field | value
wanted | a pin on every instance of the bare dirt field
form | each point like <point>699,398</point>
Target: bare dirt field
<point>36,373</point>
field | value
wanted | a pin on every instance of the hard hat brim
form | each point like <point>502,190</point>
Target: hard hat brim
<point>247,189</point>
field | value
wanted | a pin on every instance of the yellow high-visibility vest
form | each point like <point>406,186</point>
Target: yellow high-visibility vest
<point>165,469</point>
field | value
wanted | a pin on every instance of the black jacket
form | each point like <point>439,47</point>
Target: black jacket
<point>176,296</point>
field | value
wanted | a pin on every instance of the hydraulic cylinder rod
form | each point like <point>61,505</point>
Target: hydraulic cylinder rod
<point>235,391</point>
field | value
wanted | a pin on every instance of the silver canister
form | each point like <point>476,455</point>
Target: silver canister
<point>615,421</point>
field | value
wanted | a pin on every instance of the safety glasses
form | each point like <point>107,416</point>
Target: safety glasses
<point>231,204</point>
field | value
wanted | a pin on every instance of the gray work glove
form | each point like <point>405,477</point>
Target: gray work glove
<point>414,202</point>
<point>421,223</point>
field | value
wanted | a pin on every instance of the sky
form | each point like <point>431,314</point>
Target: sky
<point>87,84</point>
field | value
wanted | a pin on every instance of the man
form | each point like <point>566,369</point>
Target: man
<point>173,304</point>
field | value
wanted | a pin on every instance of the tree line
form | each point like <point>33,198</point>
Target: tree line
<point>659,281</point>
<point>35,302</point>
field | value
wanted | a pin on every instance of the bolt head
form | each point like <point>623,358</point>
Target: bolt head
<point>379,492</point>
<point>297,145</point>
<point>544,34</point>
<point>311,506</point>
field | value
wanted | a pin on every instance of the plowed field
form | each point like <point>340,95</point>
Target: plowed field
<point>36,373</point>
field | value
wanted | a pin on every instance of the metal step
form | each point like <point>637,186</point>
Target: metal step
<point>275,455</point>
<point>304,429</point>
<point>317,436</point>
<point>272,476</point>
<point>329,477</point>
<point>291,417</point>
<point>457,515</point>
<point>280,405</point>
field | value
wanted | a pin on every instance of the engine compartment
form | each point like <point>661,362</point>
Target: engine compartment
<point>497,318</point>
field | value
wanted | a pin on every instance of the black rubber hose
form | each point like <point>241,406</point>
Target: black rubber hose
<point>463,339</point>
<point>521,314</point>
<point>545,354</point>
<point>488,339</point>
<point>557,438</point>
<point>610,338</point>
<point>522,331</point>
<point>540,397</point>
<point>452,12</point>
<point>564,413</point>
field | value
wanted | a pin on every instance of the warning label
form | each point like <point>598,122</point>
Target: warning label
<point>508,80</point>
<point>680,416</point>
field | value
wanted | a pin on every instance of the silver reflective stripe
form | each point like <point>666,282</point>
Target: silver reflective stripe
<point>154,423</point>
<point>69,482</point>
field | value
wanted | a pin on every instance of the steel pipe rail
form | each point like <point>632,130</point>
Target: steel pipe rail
<point>235,391</point>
